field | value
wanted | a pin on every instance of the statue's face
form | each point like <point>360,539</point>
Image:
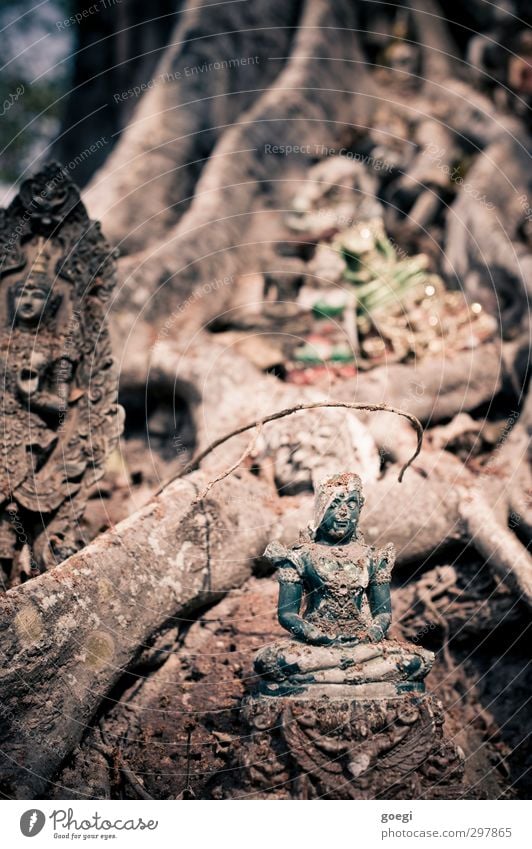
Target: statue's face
<point>341,518</point>
<point>29,304</point>
<point>403,57</point>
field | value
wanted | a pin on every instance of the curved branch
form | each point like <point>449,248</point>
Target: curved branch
<point>281,414</point>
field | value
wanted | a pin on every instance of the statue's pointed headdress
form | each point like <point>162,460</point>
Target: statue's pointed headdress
<point>40,274</point>
<point>48,207</point>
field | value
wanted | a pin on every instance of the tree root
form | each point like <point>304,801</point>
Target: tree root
<point>505,556</point>
<point>68,635</point>
<point>259,423</point>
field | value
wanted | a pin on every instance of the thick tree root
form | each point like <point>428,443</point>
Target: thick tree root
<point>148,180</point>
<point>68,636</point>
<point>505,556</point>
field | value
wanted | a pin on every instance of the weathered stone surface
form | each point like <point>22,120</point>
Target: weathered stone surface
<point>362,749</point>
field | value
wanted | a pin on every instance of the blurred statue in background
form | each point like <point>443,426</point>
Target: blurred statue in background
<point>59,411</point>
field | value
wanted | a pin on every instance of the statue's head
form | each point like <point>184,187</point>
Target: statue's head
<point>339,501</point>
<point>31,297</point>
<point>29,301</point>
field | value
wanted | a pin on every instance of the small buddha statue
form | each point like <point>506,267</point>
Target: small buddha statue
<point>334,599</point>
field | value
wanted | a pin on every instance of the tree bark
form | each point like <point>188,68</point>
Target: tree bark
<point>147,182</point>
<point>69,635</point>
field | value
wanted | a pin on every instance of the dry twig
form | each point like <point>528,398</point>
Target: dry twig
<point>258,423</point>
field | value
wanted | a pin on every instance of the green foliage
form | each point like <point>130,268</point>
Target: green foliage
<point>33,81</point>
<point>30,118</point>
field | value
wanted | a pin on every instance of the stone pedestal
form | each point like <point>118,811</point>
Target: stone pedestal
<point>363,748</point>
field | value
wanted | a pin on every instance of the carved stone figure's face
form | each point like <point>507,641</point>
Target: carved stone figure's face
<point>29,303</point>
<point>341,517</point>
<point>403,57</point>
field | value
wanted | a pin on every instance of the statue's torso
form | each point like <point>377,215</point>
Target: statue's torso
<point>27,437</point>
<point>336,580</point>
<point>16,349</point>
